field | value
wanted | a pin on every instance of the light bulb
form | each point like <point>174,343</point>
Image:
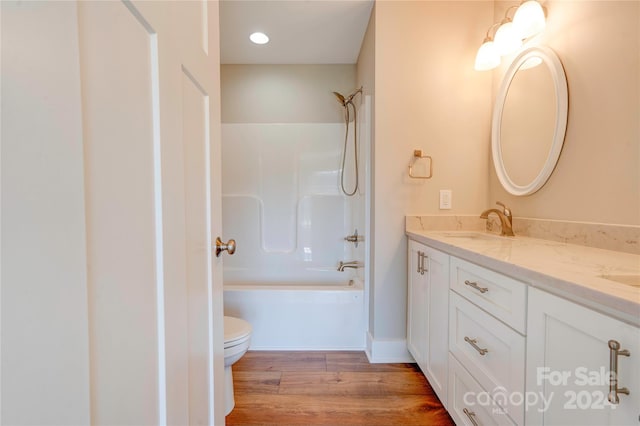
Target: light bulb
<point>487,58</point>
<point>507,39</point>
<point>529,19</point>
<point>259,38</point>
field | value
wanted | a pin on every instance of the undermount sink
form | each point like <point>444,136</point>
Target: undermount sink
<point>632,280</point>
<point>472,235</point>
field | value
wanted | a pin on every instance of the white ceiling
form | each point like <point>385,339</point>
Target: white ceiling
<point>300,31</point>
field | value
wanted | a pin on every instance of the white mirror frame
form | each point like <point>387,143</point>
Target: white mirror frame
<point>551,60</point>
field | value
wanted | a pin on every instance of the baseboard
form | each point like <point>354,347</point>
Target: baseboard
<point>387,350</point>
<point>298,348</point>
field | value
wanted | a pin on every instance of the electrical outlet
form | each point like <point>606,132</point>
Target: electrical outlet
<point>445,199</point>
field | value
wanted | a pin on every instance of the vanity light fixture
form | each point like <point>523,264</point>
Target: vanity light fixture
<point>259,38</point>
<point>528,20</point>
<point>507,39</point>
<point>487,57</point>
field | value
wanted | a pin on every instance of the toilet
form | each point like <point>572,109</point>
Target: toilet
<point>237,336</point>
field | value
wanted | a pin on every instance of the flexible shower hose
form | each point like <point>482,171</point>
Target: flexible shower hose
<point>355,146</point>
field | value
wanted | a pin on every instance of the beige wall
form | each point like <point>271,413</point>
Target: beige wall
<point>284,93</point>
<point>428,97</point>
<point>597,178</point>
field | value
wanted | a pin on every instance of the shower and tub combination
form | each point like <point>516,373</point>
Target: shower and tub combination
<point>294,200</point>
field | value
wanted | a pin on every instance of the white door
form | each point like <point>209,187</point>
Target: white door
<point>43,310</point>
<point>148,80</point>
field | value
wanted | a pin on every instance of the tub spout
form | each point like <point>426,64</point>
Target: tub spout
<point>353,264</point>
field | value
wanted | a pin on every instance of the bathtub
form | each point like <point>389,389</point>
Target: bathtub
<point>300,316</point>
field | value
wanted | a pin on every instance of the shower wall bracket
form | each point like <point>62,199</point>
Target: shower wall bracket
<point>417,155</point>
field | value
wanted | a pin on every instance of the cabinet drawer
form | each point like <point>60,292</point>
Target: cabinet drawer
<point>492,352</point>
<point>467,400</point>
<point>501,296</point>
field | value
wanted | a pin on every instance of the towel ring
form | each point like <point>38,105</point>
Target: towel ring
<point>417,155</point>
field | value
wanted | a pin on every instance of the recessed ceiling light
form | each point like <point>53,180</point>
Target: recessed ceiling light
<point>259,38</point>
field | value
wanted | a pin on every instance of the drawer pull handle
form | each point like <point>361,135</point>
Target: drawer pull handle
<point>614,352</point>
<point>476,286</point>
<point>472,416</point>
<point>419,262</point>
<point>473,343</point>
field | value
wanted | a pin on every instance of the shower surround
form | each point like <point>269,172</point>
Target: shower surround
<point>282,203</point>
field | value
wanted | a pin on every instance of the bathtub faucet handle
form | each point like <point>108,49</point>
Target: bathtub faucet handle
<point>355,238</point>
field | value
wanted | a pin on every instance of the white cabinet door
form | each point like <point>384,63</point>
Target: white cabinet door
<point>568,364</point>
<point>417,305</point>
<point>437,351</point>
<point>428,314</point>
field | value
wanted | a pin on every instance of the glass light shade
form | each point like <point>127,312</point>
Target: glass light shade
<point>487,58</point>
<point>259,38</point>
<point>507,39</point>
<point>529,19</point>
<point>532,62</point>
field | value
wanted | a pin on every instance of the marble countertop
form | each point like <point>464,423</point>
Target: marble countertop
<point>586,275</point>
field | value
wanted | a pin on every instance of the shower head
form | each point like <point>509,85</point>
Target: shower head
<point>341,98</point>
<point>347,100</point>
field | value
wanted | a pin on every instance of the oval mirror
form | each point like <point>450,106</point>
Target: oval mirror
<point>529,121</point>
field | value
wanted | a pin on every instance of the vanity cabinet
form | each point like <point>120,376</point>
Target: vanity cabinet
<point>427,314</point>
<point>568,364</point>
<point>501,351</point>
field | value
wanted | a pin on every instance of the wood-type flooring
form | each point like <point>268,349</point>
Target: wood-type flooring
<point>331,388</point>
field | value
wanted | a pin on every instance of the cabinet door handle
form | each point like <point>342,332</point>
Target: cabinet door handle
<point>424,257</point>
<point>614,352</point>
<point>472,416</point>
<point>421,258</point>
<point>473,343</point>
<point>475,285</point>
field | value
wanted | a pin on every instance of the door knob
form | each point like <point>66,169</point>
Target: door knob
<point>229,246</point>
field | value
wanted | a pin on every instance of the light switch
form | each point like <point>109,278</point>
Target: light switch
<point>445,199</point>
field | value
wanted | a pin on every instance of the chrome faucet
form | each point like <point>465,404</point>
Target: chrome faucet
<point>353,264</point>
<point>505,216</point>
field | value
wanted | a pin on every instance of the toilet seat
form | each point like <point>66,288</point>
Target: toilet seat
<point>236,331</point>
